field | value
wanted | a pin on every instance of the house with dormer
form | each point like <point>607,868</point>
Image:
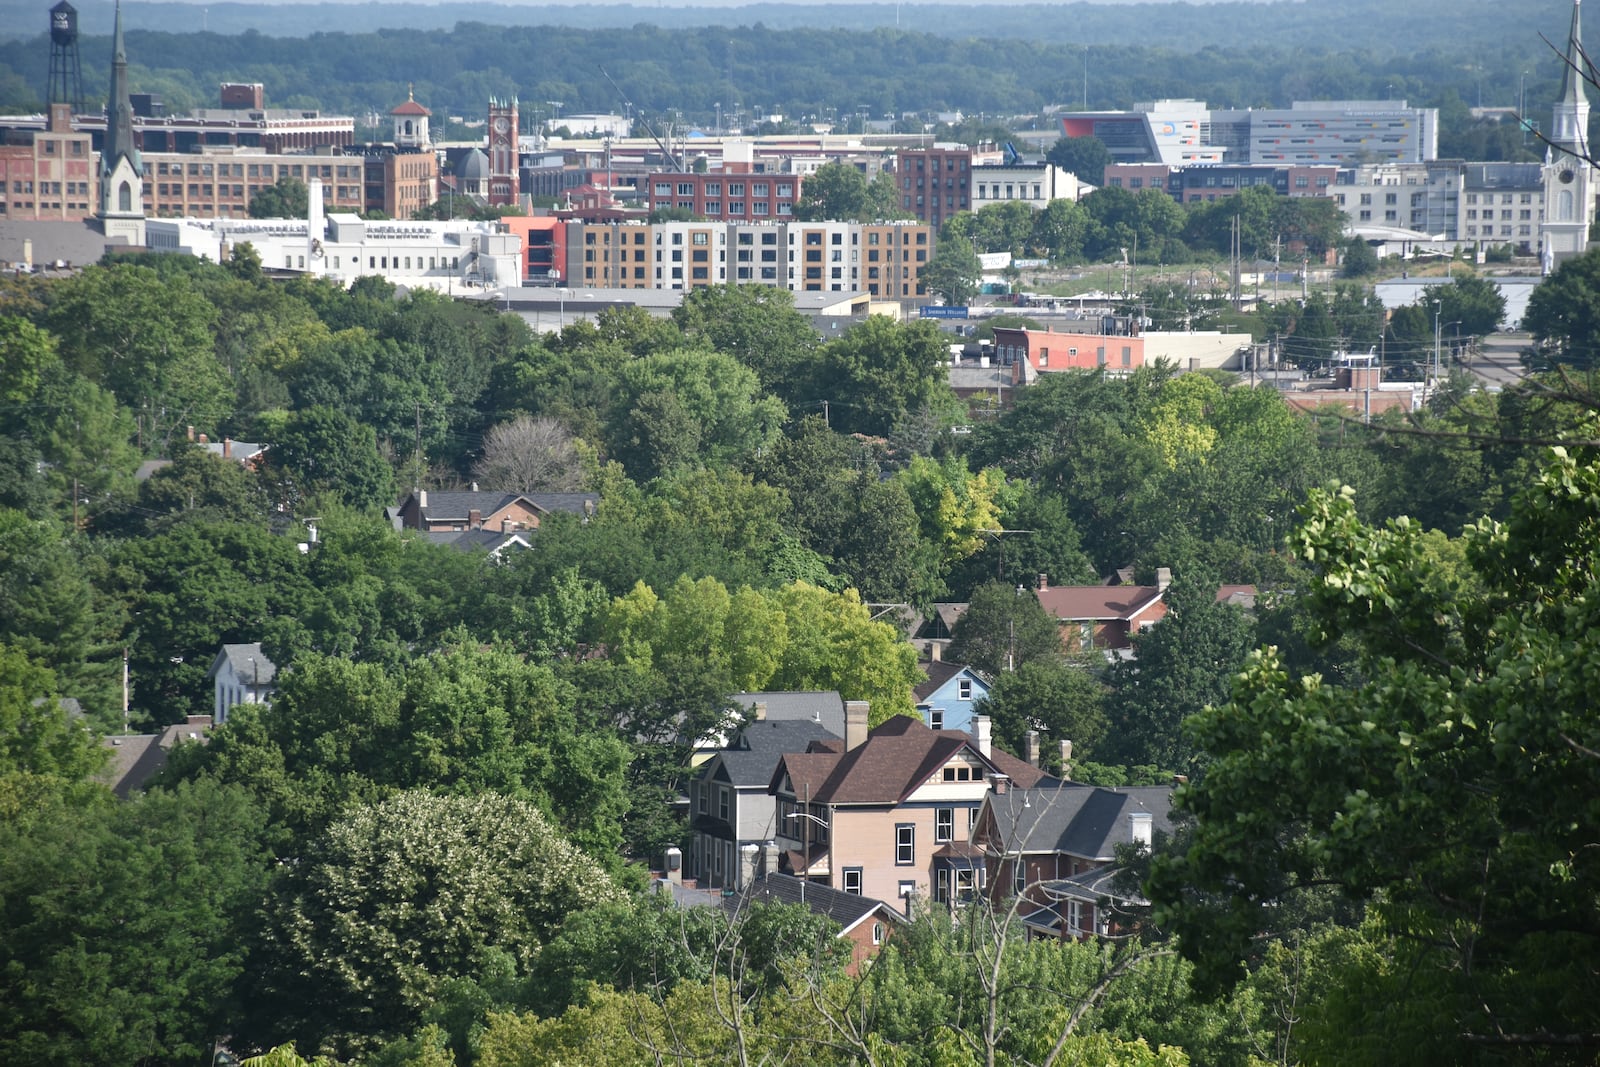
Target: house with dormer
<point>888,814</point>
<point>1053,850</point>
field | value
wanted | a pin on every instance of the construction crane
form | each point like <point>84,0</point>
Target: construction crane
<point>672,160</point>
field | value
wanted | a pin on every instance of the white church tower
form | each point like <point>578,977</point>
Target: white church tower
<point>1569,177</point>
<point>121,168</point>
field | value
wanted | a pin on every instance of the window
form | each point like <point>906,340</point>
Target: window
<point>936,720</point>
<point>944,824</point>
<point>1075,916</point>
<point>1019,878</point>
<point>966,884</point>
<point>964,688</point>
<point>905,844</point>
<point>700,237</point>
<point>852,880</point>
<point>907,890</point>
<point>701,802</point>
<point>722,804</point>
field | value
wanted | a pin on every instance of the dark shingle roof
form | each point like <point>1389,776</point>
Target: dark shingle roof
<point>939,672</point>
<point>846,909</point>
<point>449,506</point>
<point>1079,820</point>
<point>248,663</point>
<point>751,757</point>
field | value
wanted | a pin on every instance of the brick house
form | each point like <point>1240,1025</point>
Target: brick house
<point>863,922</point>
<point>1108,616</point>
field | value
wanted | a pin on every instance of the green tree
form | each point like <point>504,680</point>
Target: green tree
<point>1437,772</point>
<point>358,962</point>
<point>879,371</point>
<point>1181,667</point>
<point>688,409</point>
<point>953,271</point>
<point>1004,628</point>
<point>1470,305</point>
<point>755,324</point>
<point>287,198</point>
<point>1360,261</point>
<point>1086,157</point>
<point>833,192</point>
<point>323,451</point>
<point>1062,701</point>
<point>125,925</point>
<point>37,737</point>
<point>25,350</point>
<point>1564,312</point>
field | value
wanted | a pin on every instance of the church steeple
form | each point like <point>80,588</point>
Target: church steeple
<point>121,168</point>
<point>119,109</point>
<point>1569,130</point>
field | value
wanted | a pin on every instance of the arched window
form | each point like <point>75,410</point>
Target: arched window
<point>1564,204</point>
<point>408,127</point>
<point>124,197</point>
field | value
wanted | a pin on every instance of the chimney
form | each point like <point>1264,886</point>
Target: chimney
<point>1030,747</point>
<point>761,711</point>
<point>1163,578</point>
<point>507,525</point>
<point>1044,581</point>
<point>935,651</point>
<point>474,519</point>
<point>855,724</point>
<point>311,530</point>
<point>227,448</point>
<point>1180,779</point>
<point>198,720</point>
<point>675,865</point>
<point>999,783</point>
<point>474,487</point>
<point>983,730</point>
<point>1066,760</point>
<point>422,498</point>
<point>749,865</point>
<point>1140,826</point>
<point>204,439</point>
<point>191,433</point>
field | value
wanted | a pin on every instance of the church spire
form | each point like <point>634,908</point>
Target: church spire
<point>1570,129</point>
<point>119,109</point>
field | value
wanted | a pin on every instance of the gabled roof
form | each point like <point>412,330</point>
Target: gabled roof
<point>825,706</point>
<point>849,910</point>
<point>492,541</point>
<point>750,758</point>
<point>1098,602</point>
<point>1076,820</point>
<point>411,107</point>
<point>451,506</point>
<point>248,663</point>
<point>939,674</point>
<point>893,762</point>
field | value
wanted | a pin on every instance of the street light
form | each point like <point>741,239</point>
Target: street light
<point>1437,311</point>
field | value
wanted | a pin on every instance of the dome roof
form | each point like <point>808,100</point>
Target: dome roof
<point>473,165</point>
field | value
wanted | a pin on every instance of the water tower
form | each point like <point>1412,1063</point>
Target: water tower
<point>66,73</point>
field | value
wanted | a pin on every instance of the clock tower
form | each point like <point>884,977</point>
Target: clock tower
<point>1569,177</point>
<point>505,186</point>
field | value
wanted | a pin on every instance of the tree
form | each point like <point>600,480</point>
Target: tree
<point>833,192</point>
<point>1564,312</point>
<point>25,350</point>
<point>357,961</point>
<point>1472,303</point>
<point>37,737</point>
<point>1181,667</point>
<point>1360,261</point>
<point>1456,782</point>
<point>528,455</point>
<point>1086,157</point>
<point>322,450</point>
<point>756,325</point>
<point>880,370</point>
<point>125,925</point>
<point>1004,628</point>
<point>954,271</point>
<point>287,198</point>
<point>688,409</point>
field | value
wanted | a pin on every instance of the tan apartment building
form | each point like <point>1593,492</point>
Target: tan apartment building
<point>49,174</point>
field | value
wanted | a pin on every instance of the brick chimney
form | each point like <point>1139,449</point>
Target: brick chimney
<point>1163,578</point>
<point>1044,581</point>
<point>761,711</point>
<point>855,723</point>
<point>227,448</point>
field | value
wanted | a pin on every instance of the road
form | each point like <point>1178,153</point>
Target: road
<point>1497,361</point>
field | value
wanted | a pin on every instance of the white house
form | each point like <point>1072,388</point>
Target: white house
<point>241,674</point>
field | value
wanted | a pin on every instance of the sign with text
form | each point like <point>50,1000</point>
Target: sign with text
<point>936,311</point>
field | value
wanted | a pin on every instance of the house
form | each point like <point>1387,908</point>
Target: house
<point>945,701</point>
<point>241,674</point>
<point>864,922</point>
<point>1055,849</point>
<point>136,758</point>
<point>888,813</point>
<point>731,813</point>
<point>823,706</point>
<point>445,512</point>
<point>495,542</point>
<point>935,633</point>
<point>1108,616</point>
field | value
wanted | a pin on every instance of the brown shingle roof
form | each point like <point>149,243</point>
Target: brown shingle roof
<point>1093,602</point>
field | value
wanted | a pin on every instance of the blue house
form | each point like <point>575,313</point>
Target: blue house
<point>946,699</point>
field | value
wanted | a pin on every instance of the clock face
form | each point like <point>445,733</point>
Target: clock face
<point>1566,177</point>
<point>502,124</point>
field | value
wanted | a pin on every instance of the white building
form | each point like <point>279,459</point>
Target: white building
<point>241,674</point>
<point>1568,177</point>
<point>1035,184</point>
<point>445,256</point>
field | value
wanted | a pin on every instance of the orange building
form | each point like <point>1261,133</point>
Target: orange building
<point>1044,351</point>
<point>48,174</point>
